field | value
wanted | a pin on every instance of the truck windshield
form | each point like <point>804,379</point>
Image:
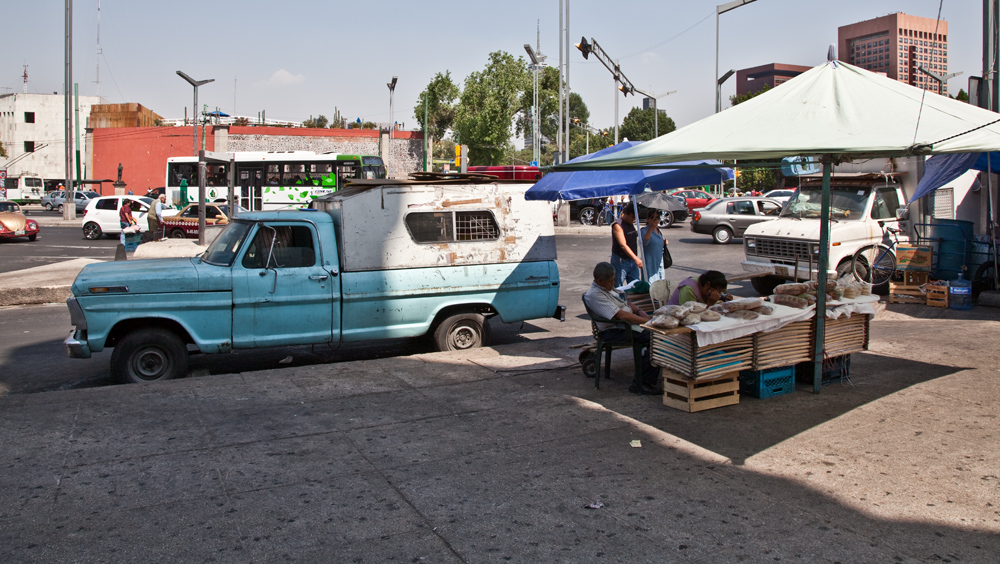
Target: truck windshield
<point>846,202</point>
<point>223,250</point>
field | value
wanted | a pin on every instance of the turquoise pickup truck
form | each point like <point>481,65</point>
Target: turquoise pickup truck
<point>381,259</point>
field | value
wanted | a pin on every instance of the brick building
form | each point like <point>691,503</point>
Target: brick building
<point>143,151</point>
<point>753,79</point>
<point>896,45</point>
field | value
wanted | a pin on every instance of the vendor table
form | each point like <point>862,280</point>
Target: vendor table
<point>694,353</point>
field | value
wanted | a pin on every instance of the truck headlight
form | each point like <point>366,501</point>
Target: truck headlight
<point>750,245</point>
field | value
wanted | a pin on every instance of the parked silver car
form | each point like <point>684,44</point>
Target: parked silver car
<point>730,217</point>
<point>82,199</point>
<point>51,199</point>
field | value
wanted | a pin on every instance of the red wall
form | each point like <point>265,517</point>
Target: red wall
<point>142,152</point>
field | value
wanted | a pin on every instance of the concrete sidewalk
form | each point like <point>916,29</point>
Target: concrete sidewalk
<point>499,455</point>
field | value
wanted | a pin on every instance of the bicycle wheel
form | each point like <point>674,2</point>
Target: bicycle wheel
<point>874,264</point>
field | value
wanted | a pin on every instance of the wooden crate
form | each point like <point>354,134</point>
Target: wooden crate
<point>678,350</point>
<point>786,346</point>
<point>914,277</point>
<point>905,294</point>
<point>642,301</point>
<point>937,296</point>
<point>690,395</point>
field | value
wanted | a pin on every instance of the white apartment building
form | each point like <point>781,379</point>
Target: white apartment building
<point>32,131</point>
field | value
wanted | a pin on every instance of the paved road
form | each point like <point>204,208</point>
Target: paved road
<point>54,244</point>
<point>32,358</point>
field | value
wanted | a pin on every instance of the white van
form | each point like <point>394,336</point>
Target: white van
<point>23,189</point>
<point>101,216</point>
<point>860,208</point>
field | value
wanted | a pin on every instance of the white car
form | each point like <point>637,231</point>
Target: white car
<point>781,195</point>
<point>101,216</point>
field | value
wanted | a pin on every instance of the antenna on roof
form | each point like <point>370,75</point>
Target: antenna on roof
<point>831,53</point>
<point>24,88</point>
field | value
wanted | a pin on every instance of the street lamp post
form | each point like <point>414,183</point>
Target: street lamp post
<point>194,109</point>
<point>392,124</point>
<point>201,161</point>
<point>941,79</point>
<point>536,61</point>
<point>719,10</point>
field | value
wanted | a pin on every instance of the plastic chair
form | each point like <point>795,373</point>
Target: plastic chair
<point>605,347</point>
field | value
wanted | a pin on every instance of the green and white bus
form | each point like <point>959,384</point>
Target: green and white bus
<point>270,180</point>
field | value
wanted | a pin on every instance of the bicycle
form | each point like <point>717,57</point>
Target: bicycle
<point>609,213</point>
<point>876,263</point>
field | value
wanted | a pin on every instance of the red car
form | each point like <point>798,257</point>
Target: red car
<point>14,224</point>
<point>695,198</point>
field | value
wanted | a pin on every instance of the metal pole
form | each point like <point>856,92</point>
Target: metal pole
<point>69,210</point>
<point>638,244</point>
<point>559,128</point>
<point>566,39</point>
<point>76,114</point>
<point>201,198</point>
<point>824,260</point>
<point>233,201</point>
<point>194,124</point>
<point>715,79</point>
<point>616,106</point>
<point>426,132</point>
<point>656,120</point>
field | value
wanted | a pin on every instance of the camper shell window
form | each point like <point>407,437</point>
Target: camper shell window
<point>457,226</point>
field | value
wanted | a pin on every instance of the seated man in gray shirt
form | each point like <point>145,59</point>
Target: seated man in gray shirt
<point>604,300</point>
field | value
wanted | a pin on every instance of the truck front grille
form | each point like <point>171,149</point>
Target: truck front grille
<point>782,248</point>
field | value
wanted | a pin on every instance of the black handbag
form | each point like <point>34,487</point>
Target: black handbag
<point>667,259</point>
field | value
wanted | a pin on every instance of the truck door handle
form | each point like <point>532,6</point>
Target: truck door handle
<point>318,277</point>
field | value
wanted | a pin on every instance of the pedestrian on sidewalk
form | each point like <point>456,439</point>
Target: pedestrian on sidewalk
<point>125,218</point>
<point>155,217</point>
<point>624,248</point>
<point>653,246</point>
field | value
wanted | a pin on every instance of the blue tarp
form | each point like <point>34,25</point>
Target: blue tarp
<point>603,183</point>
<point>942,169</point>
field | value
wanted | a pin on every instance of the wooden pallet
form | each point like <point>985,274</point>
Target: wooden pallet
<point>937,296</point>
<point>678,350</point>
<point>689,395</point>
<point>786,346</point>
<point>904,294</point>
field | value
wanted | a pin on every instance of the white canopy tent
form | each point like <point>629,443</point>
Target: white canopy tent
<point>835,111</point>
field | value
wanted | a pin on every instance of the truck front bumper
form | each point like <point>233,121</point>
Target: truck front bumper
<point>76,348</point>
<point>785,270</point>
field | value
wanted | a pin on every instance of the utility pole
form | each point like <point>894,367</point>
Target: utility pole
<point>69,210</point>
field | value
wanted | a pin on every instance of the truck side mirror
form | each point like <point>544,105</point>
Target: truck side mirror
<point>903,214</point>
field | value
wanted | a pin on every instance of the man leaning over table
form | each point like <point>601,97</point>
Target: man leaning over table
<point>605,301</point>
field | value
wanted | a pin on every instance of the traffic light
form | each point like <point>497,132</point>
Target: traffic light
<point>584,47</point>
<point>461,158</point>
<point>736,173</point>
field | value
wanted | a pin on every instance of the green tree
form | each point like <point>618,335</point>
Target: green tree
<point>548,104</point>
<point>3,153</point>
<point>440,94</point>
<point>319,122</point>
<point>735,100</point>
<point>638,125</point>
<point>487,107</point>
<point>962,96</point>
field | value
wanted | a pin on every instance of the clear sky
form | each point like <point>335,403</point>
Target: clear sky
<point>297,58</point>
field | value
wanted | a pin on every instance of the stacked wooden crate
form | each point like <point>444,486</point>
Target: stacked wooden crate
<point>914,265</point>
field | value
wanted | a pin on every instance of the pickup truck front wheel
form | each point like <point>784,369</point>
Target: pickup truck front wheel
<point>461,332</point>
<point>147,355</point>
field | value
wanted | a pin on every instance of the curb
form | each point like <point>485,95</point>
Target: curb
<point>34,296</point>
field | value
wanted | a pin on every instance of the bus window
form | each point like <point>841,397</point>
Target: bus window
<point>273,175</point>
<point>321,174</point>
<point>295,174</point>
<point>183,171</point>
<point>216,175</point>
<point>346,172</point>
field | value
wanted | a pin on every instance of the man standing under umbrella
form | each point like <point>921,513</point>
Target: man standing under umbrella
<point>624,248</point>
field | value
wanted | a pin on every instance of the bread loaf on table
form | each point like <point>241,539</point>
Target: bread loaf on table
<point>743,314</point>
<point>792,289</point>
<point>790,301</point>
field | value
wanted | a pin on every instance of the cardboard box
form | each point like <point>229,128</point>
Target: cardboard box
<point>910,257</point>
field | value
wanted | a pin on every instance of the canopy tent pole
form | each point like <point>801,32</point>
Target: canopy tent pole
<point>989,217</point>
<point>824,260</point>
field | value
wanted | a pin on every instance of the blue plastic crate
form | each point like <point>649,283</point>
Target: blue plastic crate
<point>835,369</point>
<point>132,241</point>
<point>767,383</point>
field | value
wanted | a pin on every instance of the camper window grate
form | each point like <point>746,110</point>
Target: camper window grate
<point>475,226</point>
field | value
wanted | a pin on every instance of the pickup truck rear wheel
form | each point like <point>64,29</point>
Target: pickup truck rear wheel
<point>461,332</point>
<point>148,355</point>
<point>178,233</point>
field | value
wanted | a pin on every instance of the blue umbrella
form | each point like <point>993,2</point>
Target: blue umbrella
<point>602,183</point>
